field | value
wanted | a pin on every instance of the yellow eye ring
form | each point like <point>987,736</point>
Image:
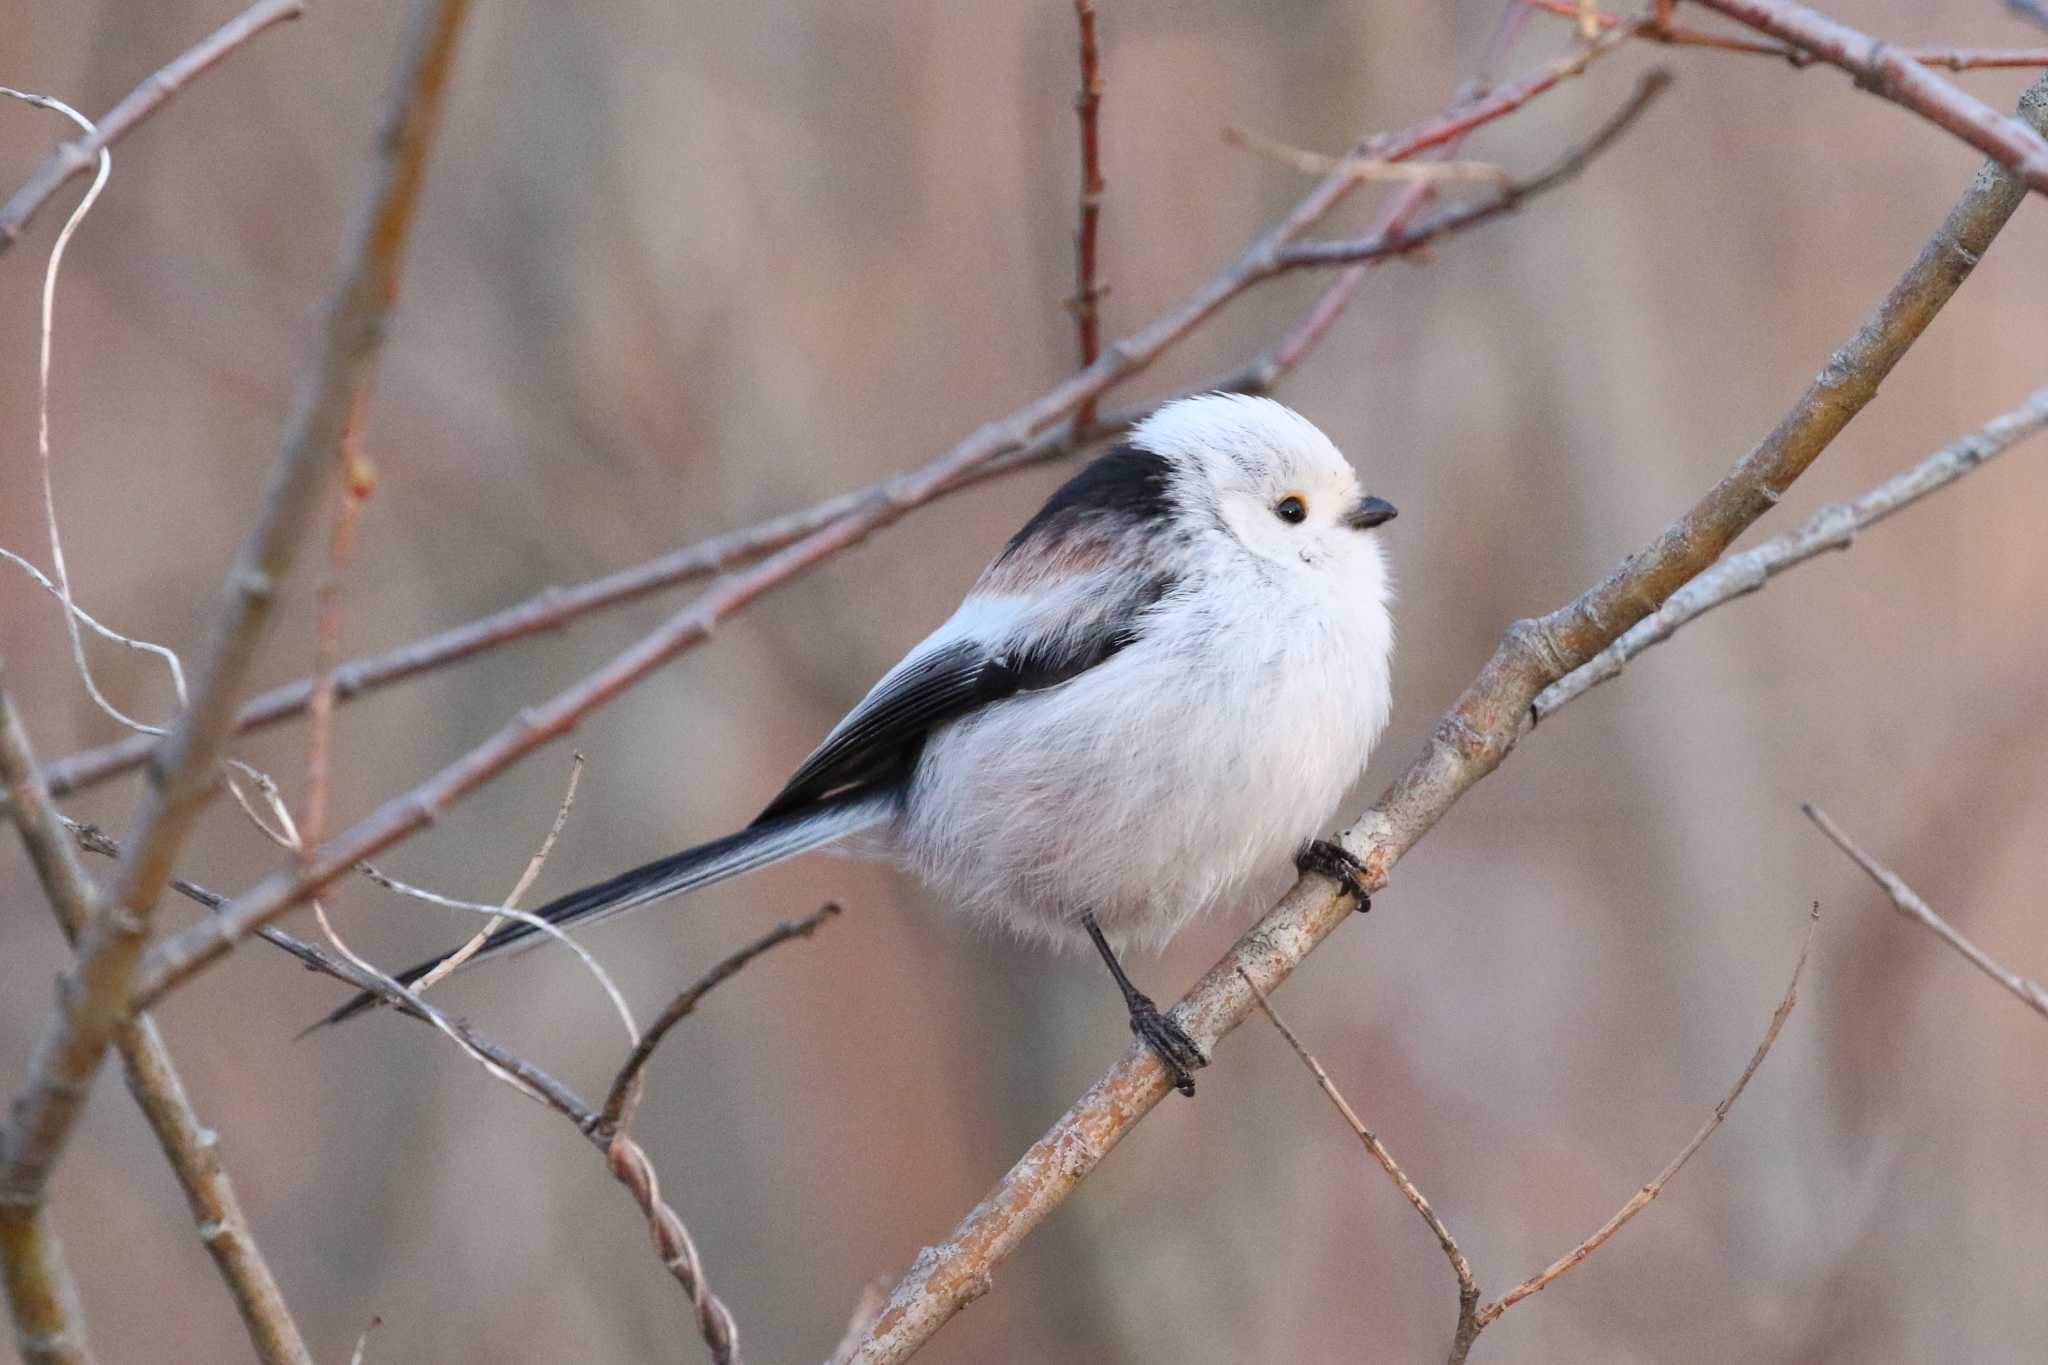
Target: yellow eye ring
<point>1291,509</point>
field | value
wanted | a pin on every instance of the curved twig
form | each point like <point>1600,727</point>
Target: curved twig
<point>73,158</point>
<point>618,1104</point>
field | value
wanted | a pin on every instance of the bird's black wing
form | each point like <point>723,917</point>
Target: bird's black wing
<point>880,739</point>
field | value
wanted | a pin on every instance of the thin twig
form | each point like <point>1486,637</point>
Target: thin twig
<point>73,613</point>
<point>866,1309</point>
<point>498,913</point>
<point>1506,198</point>
<point>178,957</point>
<point>1468,742</point>
<point>96,993</point>
<point>1908,903</point>
<point>1640,1200</point>
<point>187,1143</point>
<point>619,1103</point>
<point>1088,289</point>
<point>1468,1289</point>
<point>1473,1318</point>
<point>1363,168</point>
<point>624,1157</point>
<point>1892,73</point>
<point>74,157</point>
<point>1832,528</point>
<point>526,879</point>
<point>363,1341</point>
<point>1401,207</point>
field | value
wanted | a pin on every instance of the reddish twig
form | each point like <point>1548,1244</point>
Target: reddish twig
<point>95,997</point>
<point>1660,29</point>
<point>1893,74</point>
<point>1505,199</point>
<point>355,480</point>
<point>75,158</point>
<point>1088,290</point>
<point>178,957</point>
<point>1908,903</point>
<point>1402,207</point>
<point>1470,740</point>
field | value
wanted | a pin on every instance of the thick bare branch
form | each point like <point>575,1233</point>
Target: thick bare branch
<point>1908,903</point>
<point>94,995</point>
<point>48,1329</point>
<point>1832,528</point>
<point>1468,743</point>
<point>188,1144</point>
<point>75,158</point>
<point>1892,73</point>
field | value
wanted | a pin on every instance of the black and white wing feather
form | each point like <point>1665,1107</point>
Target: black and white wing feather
<point>1060,600</point>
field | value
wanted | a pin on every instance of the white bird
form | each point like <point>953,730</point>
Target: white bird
<point>1160,689</point>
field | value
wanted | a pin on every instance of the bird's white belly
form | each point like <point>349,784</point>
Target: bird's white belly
<point>1157,785</point>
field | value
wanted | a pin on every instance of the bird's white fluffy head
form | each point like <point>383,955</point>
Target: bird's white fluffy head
<point>1248,463</point>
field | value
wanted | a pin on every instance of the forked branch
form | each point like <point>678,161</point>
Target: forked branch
<point>1474,1317</point>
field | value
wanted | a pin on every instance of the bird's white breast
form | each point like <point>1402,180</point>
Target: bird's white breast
<point>1160,783</point>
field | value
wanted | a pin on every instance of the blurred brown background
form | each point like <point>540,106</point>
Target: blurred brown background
<point>684,266</point>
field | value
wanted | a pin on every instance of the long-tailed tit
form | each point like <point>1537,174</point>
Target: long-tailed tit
<point>1160,689</point>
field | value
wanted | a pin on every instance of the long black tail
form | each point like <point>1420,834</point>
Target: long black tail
<point>758,845</point>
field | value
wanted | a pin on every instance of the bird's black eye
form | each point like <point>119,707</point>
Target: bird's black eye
<point>1291,509</point>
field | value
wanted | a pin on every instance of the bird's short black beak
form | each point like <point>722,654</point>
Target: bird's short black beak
<point>1369,513</point>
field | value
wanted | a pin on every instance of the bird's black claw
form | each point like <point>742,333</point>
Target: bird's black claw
<point>1169,1042</point>
<point>1332,861</point>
